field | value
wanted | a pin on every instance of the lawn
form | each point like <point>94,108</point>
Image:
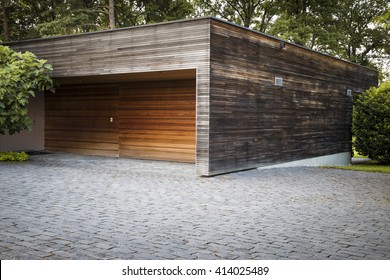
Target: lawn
<point>367,166</point>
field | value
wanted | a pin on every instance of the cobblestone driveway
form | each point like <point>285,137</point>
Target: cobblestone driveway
<point>60,206</point>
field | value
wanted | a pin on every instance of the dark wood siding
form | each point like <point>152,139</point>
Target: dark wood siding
<point>157,120</point>
<point>255,123</point>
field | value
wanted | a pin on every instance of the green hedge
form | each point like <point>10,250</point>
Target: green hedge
<point>13,156</point>
<point>371,123</point>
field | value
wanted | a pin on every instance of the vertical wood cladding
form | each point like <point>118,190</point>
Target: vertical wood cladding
<point>255,123</point>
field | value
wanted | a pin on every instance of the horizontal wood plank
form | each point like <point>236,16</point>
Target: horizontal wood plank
<point>155,116</point>
<point>160,119</point>
<point>255,123</point>
<point>231,112</point>
<point>161,52</point>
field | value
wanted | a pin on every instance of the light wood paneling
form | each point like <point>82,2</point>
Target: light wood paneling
<point>78,119</point>
<point>153,120</point>
<point>157,120</point>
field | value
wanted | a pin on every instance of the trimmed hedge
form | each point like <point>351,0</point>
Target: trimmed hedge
<point>371,123</point>
<point>13,156</point>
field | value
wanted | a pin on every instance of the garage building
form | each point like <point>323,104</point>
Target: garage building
<point>203,91</point>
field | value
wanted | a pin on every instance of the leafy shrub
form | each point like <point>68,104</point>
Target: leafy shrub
<point>21,76</point>
<point>13,156</point>
<point>371,123</point>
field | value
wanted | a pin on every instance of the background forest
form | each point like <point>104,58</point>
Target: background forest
<point>355,30</point>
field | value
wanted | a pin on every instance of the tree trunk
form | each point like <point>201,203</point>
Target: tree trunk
<point>4,10</point>
<point>111,14</point>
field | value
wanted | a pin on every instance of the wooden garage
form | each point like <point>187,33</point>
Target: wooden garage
<point>203,90</point>
<point>146,119</point>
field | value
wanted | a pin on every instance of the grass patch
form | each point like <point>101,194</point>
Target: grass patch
<point>356,155</point>
<point>368,166</point>
<point>13,156</point>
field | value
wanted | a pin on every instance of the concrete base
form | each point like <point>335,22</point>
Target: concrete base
<point>329,160</point>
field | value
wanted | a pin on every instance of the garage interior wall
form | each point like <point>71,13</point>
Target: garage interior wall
<point>78,120</point>
<point>145,120</point>
<point>157,120</point>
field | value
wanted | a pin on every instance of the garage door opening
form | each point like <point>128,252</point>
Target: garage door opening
<point>143,115</point>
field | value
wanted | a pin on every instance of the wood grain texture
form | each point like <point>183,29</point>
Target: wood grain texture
<point>255,123</point>
<point>167,51</point>
<point>157,120</point>
<point>242,120</point>
<point>78,120</point>
<point>154,120</point>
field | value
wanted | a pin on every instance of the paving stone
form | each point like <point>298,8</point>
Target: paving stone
<point>63,206</point>
<point>46,249</point>
<point>64,255</point>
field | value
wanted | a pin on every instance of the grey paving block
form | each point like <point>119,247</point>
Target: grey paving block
<point>63,206</point>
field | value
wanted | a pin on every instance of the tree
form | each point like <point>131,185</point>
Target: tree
<point>22,17</point>
<point>21,75</point>
<point>356,30</point>
<point>306,23</point>
<point>371,123</point>
<point>129,12</point>
<point>72,17</point>
<point>249,13</point>
<point>361,36</point>
<point>111,14</point>
<point>166,10</point>
<point>42,18</point>
<point>4,10</point>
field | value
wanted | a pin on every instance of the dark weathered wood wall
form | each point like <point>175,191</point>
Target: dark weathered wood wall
<point>255,123</point>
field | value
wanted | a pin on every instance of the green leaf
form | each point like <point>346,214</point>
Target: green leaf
<point>22,74</point>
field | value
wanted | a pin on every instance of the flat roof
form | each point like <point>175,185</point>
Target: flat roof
<point>182,21</point>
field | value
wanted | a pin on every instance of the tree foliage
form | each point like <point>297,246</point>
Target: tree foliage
<point>166,10</point>
<point>356,30</point>
<point>72,16</point>
<point>307,23</point>
<point>249,13</point>
<point>21,74</point>
<point>371,123</point>
<point>24,19</point>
